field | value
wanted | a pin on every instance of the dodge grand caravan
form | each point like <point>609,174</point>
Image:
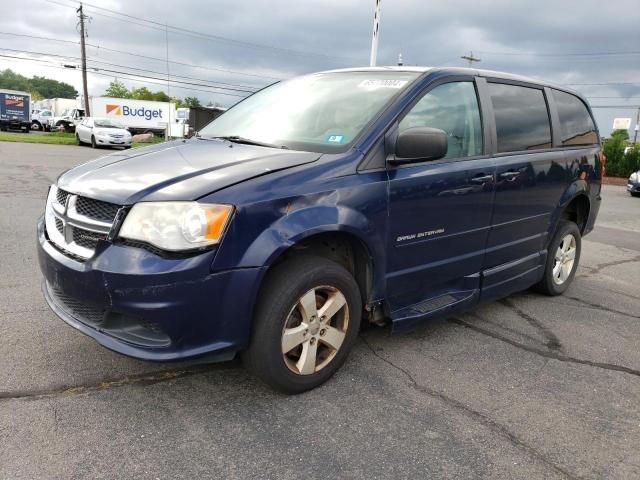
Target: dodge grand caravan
<point>379,195</point>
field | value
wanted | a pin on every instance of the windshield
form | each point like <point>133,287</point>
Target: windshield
<point>322,112</point>
<point>106,123</point>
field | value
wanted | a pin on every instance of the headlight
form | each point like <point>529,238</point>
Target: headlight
<point>634,177</point>
<point>176,226</point>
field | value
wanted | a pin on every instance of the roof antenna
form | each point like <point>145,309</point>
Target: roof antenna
<point>400,62</point>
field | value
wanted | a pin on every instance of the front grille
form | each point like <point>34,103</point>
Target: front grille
<point>97,209</point>
<point>76,224</point>
<point>90,314</point>
<point>61,197</point>
<point>87,239</point>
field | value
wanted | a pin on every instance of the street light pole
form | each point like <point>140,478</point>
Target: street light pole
<point>376,31</point>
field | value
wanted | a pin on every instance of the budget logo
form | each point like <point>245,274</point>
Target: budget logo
<point>114,110</point>
<point>14,101</point>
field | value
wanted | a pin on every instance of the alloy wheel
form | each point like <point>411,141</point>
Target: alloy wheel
<point>564,259</point>
<point>314,330</point>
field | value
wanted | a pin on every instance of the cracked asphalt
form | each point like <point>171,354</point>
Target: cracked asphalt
<point>527,387</point>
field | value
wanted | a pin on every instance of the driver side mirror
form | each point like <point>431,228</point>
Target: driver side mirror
<point>420,144</point>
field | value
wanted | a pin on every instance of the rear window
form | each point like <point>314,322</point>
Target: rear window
<point>576,125</point>
<point>522,119</point>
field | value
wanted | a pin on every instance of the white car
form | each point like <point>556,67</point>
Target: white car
<point>99,132</point>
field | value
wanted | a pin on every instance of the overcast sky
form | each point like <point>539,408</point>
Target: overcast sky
<point>261,41</point>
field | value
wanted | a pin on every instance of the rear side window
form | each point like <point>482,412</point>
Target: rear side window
<point>576,125</point>
<point>522,119</point>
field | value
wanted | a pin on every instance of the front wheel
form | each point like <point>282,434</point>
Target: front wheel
<point>78,141</point>
<point>562,259</point>
<point>93,142</point>
<point>307,320</point>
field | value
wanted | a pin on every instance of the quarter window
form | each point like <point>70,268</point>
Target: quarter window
<point>576,125</point>
<point>452,107</point>
<point>522,119</point>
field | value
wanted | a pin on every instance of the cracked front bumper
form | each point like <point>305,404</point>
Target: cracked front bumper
<point>145,306</point>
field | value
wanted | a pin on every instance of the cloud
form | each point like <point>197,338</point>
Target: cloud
<point>312,35</point>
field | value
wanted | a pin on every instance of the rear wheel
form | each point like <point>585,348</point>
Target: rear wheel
<point>307,320</point>
<point>562,259</point>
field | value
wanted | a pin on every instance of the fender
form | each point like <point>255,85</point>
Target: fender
<point>305,222</point>
<point>578,188</point>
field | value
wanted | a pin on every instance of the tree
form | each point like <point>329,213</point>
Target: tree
<point>178,102</point>
<point>614,150</point>
<point>39,87</point>
<point>142,93</point>
<point>624,134</point>
<point>192,102</point>
<point>52,88</point>
<point>117,89</point>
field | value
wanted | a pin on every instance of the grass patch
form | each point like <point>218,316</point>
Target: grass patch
<point>54,138</point>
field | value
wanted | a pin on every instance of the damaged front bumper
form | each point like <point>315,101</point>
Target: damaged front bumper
<point>140,304</point>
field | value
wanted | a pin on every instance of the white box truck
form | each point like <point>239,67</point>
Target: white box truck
<point>56,105</point>
<point>15,110</point>
<point>139,116</point>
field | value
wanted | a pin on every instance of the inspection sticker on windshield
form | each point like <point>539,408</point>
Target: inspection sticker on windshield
<point>379,83</point>
<point>335,139</point>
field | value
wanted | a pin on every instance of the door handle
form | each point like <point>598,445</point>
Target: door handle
<point>509,175</point>
<point>482,179</point>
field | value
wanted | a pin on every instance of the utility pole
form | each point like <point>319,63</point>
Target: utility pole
<point>470,58</point>
<point>376,31</point>
<point>166,38</point>
<point>85,92</point>
<point>635,130</point>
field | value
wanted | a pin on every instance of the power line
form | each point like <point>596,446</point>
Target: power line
<point>72,58</point>
<point>214,69</point>
<point>129,76</point>
<point>625,107</point>
<point>601,84</point>
<point>188,32</point>
<point>575,54</point>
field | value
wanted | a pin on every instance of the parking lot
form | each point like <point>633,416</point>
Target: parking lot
<point>527,387</point>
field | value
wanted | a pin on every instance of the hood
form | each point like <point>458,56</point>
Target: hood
<point>178,170</point>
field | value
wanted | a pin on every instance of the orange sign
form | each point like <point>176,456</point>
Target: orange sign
<point>114,109</point>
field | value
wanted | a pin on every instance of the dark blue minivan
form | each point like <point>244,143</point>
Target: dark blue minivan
<point>376,194</point>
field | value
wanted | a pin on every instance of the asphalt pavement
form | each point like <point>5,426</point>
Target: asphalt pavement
<point>527,387</point>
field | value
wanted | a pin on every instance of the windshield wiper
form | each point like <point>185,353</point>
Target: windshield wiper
<point>248,141</point>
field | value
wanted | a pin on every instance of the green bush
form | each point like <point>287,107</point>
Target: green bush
<point>619,163</point>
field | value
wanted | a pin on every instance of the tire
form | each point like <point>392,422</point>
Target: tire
<point>566,240</point>
<point>280,309</point>
<point>36,126</point>
<point>78,141</point>
<point>93,142</point>
<point>635,194</point>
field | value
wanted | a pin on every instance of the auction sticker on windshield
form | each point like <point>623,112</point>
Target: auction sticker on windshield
<point>373,83</point>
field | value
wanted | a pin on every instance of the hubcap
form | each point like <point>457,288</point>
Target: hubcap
<point>564,259</point>
<point>315,330</point>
